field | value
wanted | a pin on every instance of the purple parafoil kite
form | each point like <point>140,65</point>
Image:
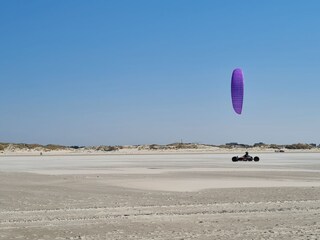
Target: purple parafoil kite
<point>237,90</point>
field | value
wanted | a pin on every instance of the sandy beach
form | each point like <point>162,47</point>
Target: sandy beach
<point>159,120</point>
<point>160,196</point>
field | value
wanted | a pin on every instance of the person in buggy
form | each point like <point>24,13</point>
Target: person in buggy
<point>246,155</point>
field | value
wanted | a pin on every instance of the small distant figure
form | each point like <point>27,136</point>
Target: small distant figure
<point>246,155</point>
<point>40,153</point>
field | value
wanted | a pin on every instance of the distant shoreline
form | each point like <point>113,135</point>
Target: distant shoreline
<point>148,152</point>
<point>22,149</point>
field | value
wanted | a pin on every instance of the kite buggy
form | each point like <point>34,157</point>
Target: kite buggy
<point>237,94</point>
<point>245,158</point>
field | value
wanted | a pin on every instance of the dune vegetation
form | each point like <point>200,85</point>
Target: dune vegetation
<point>16,147</point>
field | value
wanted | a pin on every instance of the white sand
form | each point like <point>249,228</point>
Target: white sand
<point>169,196</point>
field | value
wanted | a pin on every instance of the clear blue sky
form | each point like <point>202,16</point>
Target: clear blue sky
<point>136,72</point>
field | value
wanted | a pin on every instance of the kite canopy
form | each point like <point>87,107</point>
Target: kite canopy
<point>237,90</point>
